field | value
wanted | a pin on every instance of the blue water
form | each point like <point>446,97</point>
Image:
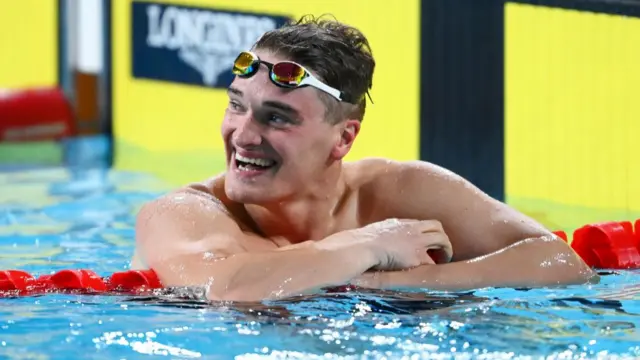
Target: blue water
<point>57,218</point>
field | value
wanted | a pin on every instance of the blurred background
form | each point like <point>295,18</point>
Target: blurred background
<point>532,101</point>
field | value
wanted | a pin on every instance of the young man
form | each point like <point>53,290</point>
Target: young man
<point>289,216</point>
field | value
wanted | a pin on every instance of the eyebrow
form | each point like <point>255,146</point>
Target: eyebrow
<point>235,91</point>
<point>282,107</point>
<point>270,103</point>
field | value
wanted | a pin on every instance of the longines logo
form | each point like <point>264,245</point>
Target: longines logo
<point>192,45</point>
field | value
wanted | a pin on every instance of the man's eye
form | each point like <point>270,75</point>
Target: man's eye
<point>234,105</point>
<point>278,120</point>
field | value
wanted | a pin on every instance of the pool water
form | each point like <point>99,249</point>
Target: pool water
<point>54,219</point>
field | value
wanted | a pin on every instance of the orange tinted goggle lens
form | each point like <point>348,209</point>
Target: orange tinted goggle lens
<point>244,64</point>
<point>287,73</point>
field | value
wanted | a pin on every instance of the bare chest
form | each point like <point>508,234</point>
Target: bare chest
<point>352,215</point>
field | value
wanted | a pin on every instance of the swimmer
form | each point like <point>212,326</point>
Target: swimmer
<point>290,216</point>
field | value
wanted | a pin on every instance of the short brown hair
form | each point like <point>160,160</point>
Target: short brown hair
<point>336,53</point>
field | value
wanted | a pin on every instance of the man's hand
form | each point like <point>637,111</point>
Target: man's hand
<point>404,244</point>
<point>396,244</point>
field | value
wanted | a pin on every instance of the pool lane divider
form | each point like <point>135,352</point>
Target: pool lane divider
<point>607,245</point>
<point>81,281</point>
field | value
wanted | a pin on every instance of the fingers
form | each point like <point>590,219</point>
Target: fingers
<point>391,224</point>
<point>433,240</point>
<point>437,244</point>
<point>423,226</point>
<point>440,256</point>
<point>411,226</point>
<point>425,258</point>
<point>431,226</point>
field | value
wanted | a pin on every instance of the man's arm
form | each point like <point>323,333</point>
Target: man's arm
<point>548,263</point>
<point>188,241</point>
<point>493,244</point>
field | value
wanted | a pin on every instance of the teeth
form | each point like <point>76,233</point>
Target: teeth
<point>255,161</point>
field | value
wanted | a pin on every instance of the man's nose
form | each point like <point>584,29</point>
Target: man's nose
<point>247,133</point>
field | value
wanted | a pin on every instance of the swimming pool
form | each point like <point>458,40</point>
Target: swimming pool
<point>55,219</point>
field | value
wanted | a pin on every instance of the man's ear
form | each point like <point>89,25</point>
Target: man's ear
<point>349,129</point>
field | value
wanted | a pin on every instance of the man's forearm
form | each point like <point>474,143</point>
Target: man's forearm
<point>255,276</point>
<point>529,263</point>
<point>259,276</point>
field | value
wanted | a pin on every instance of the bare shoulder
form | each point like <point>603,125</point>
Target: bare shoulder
<point>387,175</point>
<point>192,214</point>
<point>392,188</point>
<point>211,188</point>
<point>368,171</point>
<point>198,196</point>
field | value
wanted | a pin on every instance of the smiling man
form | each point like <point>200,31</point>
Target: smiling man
<point>289,216</point>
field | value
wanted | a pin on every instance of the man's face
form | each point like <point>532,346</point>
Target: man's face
<point>276,139</point>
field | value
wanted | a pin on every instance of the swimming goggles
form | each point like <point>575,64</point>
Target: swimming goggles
<point>285,74</point>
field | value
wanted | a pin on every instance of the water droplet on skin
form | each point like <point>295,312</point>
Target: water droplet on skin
<point>562,259</point>
<point>548,238</point>
<point>546,263</point>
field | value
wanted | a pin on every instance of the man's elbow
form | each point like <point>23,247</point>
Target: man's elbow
<point>565,265</point>
<point>548,261</point>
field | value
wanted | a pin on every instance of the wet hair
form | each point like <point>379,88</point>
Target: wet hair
<point>336,53</point>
